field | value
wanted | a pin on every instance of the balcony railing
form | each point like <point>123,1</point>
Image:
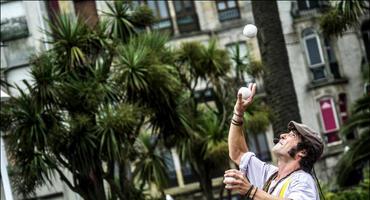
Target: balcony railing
<point>228,14</point>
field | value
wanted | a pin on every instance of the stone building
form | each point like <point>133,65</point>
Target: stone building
<point>326,71</point>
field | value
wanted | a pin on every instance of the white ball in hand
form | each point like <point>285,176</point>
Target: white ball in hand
<point>246,92</point>
<point>229,179</point>
<point>250,30</point>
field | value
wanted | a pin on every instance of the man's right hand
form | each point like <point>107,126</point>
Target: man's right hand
<point>242,104</point>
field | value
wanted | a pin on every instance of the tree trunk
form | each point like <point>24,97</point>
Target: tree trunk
<point>278,82</point>
<point>205,182</point>
<point>92,187</point>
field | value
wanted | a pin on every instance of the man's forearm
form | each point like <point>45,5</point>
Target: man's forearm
<point>236,143</point>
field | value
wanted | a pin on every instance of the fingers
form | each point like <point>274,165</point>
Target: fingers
<point>253,89</point>
<point>240,97</point>
<point>234,182</point>
<point>235,174</point>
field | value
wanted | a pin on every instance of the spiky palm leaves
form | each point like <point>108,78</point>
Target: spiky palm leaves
<point>78,115</point>
<point>149,166</point>
<point>124,19</point>
<point>196,61</point>
<point>358,153</point>
<point>145,71</point>
<point>345,15</point>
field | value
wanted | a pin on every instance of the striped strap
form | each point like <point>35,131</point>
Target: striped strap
<point>285,186</point>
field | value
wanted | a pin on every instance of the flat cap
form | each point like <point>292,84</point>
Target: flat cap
<point>310,135</point>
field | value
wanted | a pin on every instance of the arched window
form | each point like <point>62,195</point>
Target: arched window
<point>314,54</point>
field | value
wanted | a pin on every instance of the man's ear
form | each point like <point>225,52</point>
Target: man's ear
<point>302,153</point>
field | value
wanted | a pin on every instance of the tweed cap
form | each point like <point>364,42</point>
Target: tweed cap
<point>309,134</point>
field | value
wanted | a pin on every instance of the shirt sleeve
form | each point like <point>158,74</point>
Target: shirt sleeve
<point>302,190</point>
<point>256,170</point>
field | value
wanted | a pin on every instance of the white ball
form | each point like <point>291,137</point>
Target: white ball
<point>246,92</point>
<point>250,30</point>
<point>228,179</point>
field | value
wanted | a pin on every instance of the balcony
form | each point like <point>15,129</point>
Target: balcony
<point>307,9</point>
<point>228,14</point>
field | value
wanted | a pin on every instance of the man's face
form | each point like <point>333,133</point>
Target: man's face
<point>287,141</point>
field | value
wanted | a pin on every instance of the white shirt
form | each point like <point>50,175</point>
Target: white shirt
<point>301,187</point>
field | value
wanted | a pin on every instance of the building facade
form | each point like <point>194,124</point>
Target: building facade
<point>326,71</point>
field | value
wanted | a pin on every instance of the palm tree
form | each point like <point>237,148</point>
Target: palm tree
<point>87,105</point>
<point>207,124</point>
<point>346,14</point>
<point>277,79</point>
<point>358,154</point>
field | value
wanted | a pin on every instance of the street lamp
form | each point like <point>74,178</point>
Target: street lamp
<point>4,163</point>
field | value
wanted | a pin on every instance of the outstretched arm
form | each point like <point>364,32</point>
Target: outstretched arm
<point>236,140</point>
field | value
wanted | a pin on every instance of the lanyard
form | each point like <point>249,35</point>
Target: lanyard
<point>266,187</point>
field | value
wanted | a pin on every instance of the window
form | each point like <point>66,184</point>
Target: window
<point>13,21</point>
<point>227,10</point>
<point>307,4</point>
<point>332,60</point>
<point>311,4</point>
<point>239,50</point>
<point>258,144</point>
<point>318,66</point>
<point>343,113</point>
<point>329,119</point>
<point>170,168</point>
<point>188,174</point>
<point>87,11</point>
<point>186,16</point>
<point>160,10</point>
<point>313,48</point>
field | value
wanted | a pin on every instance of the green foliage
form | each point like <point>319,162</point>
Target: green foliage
<point>149,166</point>
<point>345,15</point>
<point>359,192</point>
<point>358,152</point>
<point>96,91</point>
<point>143,16</point>
<point>81,113</point>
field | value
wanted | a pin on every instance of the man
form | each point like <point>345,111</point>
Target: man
<point>297,149</point>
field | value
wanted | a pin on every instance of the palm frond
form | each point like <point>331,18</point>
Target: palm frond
<point>150,166</point>
<point>45,74</point>
<point>215,60</point>
<point>115,127</point>
<point>119,19</point>
<point>354,157</point>
<point>345,15</point>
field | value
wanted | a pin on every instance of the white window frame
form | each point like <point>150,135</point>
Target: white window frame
<point>305,38</point>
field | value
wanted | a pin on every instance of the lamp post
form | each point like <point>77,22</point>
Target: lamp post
<point>4,162</point>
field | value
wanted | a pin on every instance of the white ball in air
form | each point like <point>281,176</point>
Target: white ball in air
<point>250,30</point>
<point>246,92</point>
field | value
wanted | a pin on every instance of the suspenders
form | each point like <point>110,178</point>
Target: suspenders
<point>283,189</point>
<point>285,186</point>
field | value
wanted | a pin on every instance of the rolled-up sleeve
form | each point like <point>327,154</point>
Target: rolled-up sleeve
<point>256,170</point>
